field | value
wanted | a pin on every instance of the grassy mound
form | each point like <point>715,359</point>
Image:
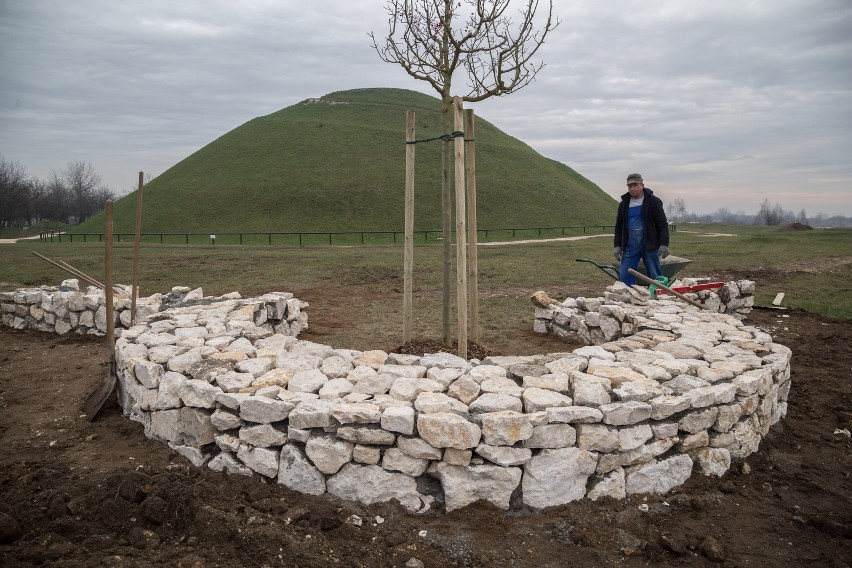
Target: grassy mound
<point>337,163</point>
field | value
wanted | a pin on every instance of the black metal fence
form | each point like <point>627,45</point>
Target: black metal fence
<point>305,238</point>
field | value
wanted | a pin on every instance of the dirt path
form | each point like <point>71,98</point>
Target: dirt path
<point>74,493</point>
<point>528,241</point>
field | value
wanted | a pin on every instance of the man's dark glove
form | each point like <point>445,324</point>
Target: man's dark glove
<point>617,253</point>
<point>664,251</point>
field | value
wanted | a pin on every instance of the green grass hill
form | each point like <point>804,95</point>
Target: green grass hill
<point>337,163</point>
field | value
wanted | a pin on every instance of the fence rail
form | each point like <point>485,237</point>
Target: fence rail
<point>303,238</point>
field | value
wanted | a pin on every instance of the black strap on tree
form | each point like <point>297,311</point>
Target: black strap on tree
<point>444,137</point>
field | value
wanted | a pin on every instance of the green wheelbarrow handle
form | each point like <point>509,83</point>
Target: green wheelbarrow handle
<point>605,268</point>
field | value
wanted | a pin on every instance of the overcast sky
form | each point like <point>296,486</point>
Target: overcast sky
<point>722,103</point>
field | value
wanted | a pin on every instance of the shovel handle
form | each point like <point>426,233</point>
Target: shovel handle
<point>647,280</point>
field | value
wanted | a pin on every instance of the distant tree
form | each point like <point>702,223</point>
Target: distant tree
<point>676,210</point>
<point>803,217</point>
<point>85,188</point>
<point>432,39</point>
<point>769,214</point>
<point>13,192</point>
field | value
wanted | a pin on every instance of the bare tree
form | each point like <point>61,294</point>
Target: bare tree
<point>769,214</point>
<point>432,39</point>
<point>84,184</point>
<point>676,210</point>
<point>13,191</point>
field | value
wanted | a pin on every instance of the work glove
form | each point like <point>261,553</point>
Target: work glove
<point>664,251</point>
<point>617,253</point>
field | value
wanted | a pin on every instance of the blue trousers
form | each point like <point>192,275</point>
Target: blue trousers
<point>632,256</point>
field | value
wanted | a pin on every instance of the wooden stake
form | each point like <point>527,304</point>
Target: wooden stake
<point>110,313</point>
<point>472,236</point>
<point>408,260</point>
<point>461,232</point>
<point>135,278</point>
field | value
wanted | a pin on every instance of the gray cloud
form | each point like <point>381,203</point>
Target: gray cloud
<point>723,104</point>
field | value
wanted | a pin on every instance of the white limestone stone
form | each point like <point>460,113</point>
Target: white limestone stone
<point>465,485</point>
<point>335,389</point>
<point>256,366</point>
<point>660,477</point>
<point>262,460</point>
<point>445,375</point>
<point>418,448</point>
<point>263,410</point>
<point>633,437</point>
<point>357,413</point>
<point>329,453</point>
<point>536,399</point>
<point>432,402</point>
<point>558,382</point>
<point>262,436</point>
<point>495,402</point>
<point>504,456</point>
<point>370,484</point>
<point>199,394</point>
<point>611,485</point>
<point>406,388</point>
<point>228,463</point>
<point>307,381</point>
<point>555,477</point>
<point>505,427</point>
<point>597,438</point>
<point>398,419</point>
<point>464,389</point>
<point>396,460</point>
<point>574,415</point>
<point>311,414</point>
<point>552,436</point>
<point>624,413</point>
<point>297,473</point>
<point>446,430</point>
<point>484,372</point>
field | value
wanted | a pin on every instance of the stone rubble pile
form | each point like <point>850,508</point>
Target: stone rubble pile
<point>625,309</point>
<point>68,309</point>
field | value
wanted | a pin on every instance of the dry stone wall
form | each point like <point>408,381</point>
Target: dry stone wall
<point>688,392</point>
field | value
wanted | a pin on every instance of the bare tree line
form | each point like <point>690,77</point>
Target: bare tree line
<point>69,196</point>
<point>768,214</point>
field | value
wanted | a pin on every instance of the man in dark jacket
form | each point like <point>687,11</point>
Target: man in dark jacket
<point>641,230</point>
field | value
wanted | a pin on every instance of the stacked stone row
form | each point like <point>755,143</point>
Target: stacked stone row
<point>689,390</point>
<point>68,309</point>
<point>625,309</point>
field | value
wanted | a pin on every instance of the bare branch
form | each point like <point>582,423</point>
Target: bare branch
<point>432,39</point>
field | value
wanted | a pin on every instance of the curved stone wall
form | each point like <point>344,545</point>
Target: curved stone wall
<point>687,392</point>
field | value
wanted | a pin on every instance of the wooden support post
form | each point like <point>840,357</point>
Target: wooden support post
<point>408,260</point>
<point>110,313</point>
<point>461,232</point>
<point>135,277</point>
<point>472,236</point>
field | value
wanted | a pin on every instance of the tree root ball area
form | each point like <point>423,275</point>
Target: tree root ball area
<point>75,493</point>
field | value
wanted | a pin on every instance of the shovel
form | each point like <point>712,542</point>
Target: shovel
<point>96,400</point>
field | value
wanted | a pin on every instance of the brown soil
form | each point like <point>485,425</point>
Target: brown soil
<point>75,493</point>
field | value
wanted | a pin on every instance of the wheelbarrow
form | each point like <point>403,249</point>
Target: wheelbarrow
<point>670,266</point>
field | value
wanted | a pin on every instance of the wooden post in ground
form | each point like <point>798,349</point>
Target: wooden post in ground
<point>472,236</point>
<point>108,294</point>
<point>135,278</point>
<point>408,260</point>
<point>461,232</point>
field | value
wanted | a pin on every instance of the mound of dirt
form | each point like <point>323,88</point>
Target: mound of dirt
<point>795,227</point>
